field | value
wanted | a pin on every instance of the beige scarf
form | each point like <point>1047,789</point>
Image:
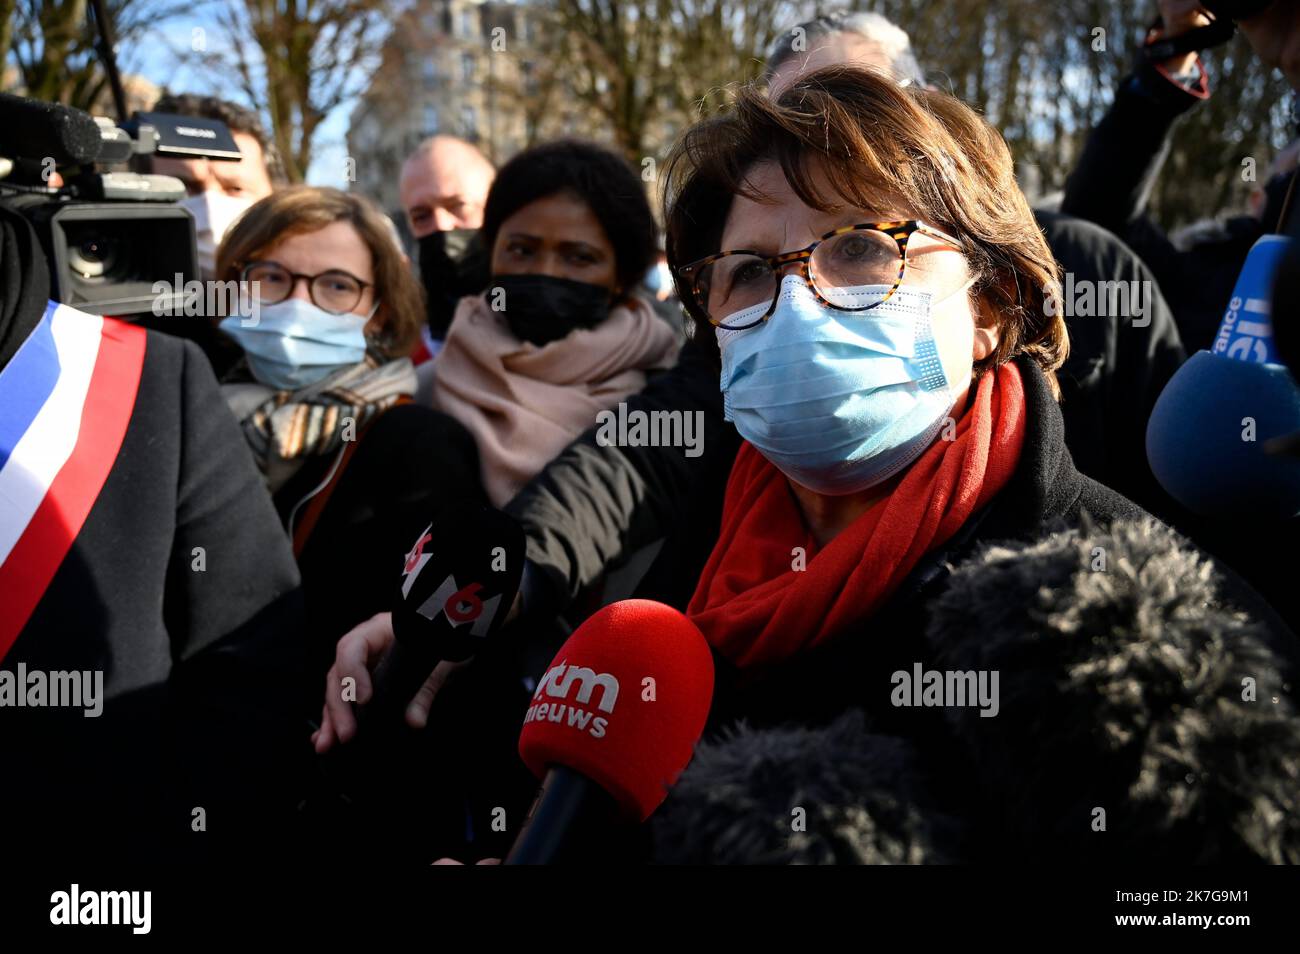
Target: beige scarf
<point>523,403</point>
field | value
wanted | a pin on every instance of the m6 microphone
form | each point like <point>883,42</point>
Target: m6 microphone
<point>613,723</point>
<point>458,582</point>
<point>1207,436</point>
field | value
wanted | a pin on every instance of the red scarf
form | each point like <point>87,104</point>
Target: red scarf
<point>752,604</point>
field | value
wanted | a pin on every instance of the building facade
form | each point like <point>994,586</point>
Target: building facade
<point>474,69</point>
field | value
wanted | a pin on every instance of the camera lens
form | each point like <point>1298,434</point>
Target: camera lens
<point>92,255</point>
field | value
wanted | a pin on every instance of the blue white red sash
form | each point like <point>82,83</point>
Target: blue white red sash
<point>65,401</point>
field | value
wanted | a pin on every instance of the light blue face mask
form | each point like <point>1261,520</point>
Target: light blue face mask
<point>294,344</point>
<point>839,401</point>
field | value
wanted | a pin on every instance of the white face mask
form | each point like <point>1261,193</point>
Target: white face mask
<point>214,213</point>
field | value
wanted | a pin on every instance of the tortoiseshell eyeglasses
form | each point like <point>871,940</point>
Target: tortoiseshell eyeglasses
<point>853,268</point>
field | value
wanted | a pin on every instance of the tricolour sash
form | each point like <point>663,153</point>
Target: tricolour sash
<point>65,401</point>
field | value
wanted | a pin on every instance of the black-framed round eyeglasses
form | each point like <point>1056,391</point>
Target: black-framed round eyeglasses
<point>334,291</point>
<point>853,268</point>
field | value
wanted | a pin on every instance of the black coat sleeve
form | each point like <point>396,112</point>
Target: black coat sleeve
<point>1118,363</point>
<point>233,611</point>
<point>594,504</point>
<point>1117,170</point>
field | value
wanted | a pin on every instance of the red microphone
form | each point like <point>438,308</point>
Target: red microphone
<point>613,723</point>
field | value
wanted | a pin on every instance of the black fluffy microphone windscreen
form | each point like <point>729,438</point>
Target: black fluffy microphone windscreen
<point>866,797</point>
<point>31,129</point>
<point>1144,701</point>
<point>1143,714</point>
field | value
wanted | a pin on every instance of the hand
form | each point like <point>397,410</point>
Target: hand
<point>357,654</point>
<point>417,713</point>
<point>1180,16</point>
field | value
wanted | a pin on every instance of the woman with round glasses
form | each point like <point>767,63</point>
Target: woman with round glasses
<point>875,285</point>
<point>328,314</point>
<point>872,284</point>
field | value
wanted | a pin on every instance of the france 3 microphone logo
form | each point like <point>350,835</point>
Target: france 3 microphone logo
<point>559,683</point>
<point>1246,332</point>
<point>460,605</point>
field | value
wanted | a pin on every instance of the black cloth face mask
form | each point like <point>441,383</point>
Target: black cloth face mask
<point>442,257</point>
<point>542,309</point>
<point>445,245</point>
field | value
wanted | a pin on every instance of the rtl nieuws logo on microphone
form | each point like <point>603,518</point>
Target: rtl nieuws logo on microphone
<point>576,685</point>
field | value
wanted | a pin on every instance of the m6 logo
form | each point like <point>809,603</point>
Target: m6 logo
<point>464,606</point>
<point>461,605</point>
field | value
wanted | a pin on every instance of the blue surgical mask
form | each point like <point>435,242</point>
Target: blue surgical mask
<point>293,344</point>
<point>838,401</point>
<point>659,277</point>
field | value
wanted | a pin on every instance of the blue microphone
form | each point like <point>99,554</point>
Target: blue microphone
<point>1207,433</point>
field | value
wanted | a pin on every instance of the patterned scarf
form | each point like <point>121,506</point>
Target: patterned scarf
<point>284,428</point>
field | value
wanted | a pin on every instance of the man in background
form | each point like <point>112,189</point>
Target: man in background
<point>443,187</point>
<point>217,191</point>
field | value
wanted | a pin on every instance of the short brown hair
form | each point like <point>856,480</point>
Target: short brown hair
<point>869,137</point>
<point>294,210</point>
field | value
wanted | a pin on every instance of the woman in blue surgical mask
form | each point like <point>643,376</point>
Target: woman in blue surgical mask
<point>884,314</point>
<point>881,302</point>
<point>327,310</point>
